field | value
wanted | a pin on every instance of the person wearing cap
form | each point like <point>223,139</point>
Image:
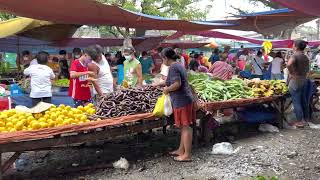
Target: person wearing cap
<point>63,62</point>
<point>132,68</point>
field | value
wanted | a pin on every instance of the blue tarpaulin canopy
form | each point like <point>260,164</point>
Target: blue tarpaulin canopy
<point>269,22</point>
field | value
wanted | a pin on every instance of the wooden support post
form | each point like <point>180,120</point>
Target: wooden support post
<point>195,136</point>
<point>282,118</point>
<point>164,129</point>
<point>10,161</point>
<point>1,166</point>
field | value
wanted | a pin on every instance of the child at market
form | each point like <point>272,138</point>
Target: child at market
<point>41,76</point>
<point>79,88</point>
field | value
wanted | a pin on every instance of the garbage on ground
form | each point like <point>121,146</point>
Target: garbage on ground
<point>224,148</point>
<point>314,126</point>
<point>122,163</point>
<point>268,128</point>
<point>286,125</point>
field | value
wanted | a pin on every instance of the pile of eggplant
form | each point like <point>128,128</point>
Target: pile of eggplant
<point>128,102</point>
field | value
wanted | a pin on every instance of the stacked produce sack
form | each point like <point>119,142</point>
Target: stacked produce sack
<point>13,120</point>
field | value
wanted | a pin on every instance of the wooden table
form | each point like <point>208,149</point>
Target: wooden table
<point>70,136</point>
<point>278,102</point>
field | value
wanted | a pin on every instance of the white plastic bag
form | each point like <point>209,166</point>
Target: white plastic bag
<point>224,148</point>
<point>122,163</point>
<point>167,106</point>
<point>268,128</point>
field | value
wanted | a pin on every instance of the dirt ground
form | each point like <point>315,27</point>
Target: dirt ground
<point>290,155</point>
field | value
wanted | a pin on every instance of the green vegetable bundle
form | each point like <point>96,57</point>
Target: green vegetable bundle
<point>62,82</point>
<point>217,90</point>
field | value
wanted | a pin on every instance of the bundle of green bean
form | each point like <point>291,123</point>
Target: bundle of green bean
<point>217,90</point>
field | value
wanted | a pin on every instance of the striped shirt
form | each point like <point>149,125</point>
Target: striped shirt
<point>221,70</point>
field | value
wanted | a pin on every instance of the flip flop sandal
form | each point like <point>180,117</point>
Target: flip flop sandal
<point>299,125</point>
<point>173,155</point>
<point>177,160</point>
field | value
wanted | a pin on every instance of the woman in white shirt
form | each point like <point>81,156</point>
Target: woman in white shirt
<point>277,63</point>
<point>41,76</point>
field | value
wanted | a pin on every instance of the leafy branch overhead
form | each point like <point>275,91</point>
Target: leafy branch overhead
<point>182,9</point>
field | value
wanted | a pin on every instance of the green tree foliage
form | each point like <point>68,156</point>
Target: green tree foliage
<point>182,9</point>
<point>6,16</point>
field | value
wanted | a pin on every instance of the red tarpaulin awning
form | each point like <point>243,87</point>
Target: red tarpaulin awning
<point>311,7</point>
<point>91,12</point>
<point>184,45</point>
<point>221,35</point>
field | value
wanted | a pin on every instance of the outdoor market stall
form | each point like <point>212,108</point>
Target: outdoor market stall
<point>74,135</point>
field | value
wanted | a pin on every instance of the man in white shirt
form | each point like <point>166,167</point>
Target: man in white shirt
<point>276,66</point>
<point>34,62</point>
<point>41,76</point>
<point>257,64</point>
<point>102,71</point>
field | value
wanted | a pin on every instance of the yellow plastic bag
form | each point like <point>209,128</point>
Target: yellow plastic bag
<point>159,108</point>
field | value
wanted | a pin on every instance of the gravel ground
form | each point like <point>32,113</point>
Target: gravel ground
<point>289,155</point>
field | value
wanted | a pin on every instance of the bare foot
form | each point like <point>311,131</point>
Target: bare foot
<point>183,158</point>
<point>299,124</point>
<point>176,153</point>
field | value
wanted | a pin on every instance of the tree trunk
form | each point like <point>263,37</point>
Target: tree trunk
<point>140,32</point>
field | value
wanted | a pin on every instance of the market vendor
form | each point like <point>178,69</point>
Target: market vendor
<point>23,60</point>
<point>79,88</point>
<point>221,69</point>
<point>102,72</point>
<point>194,64</point>
<point>157,60</point>
<point>257,66</point>
<point>64,67</point>
<point>214,56</point>
<point>41,76</point>
<point>132,68</point>
<point>53,63</point>
<point>178,88</point>
<point>146,63</point>
<point>298,66</point>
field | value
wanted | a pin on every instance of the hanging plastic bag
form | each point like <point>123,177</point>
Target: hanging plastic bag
<point>159,108</point>
<point>15,90</point>
<point>167,106</point>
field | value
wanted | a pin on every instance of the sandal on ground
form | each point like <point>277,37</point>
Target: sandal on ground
<point>299,124</point>
<point>173,154</point>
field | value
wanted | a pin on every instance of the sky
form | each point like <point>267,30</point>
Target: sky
<point>222,9</point>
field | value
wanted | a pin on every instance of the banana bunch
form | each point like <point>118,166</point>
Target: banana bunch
<point>279,87</point>
<point>268,88</point>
